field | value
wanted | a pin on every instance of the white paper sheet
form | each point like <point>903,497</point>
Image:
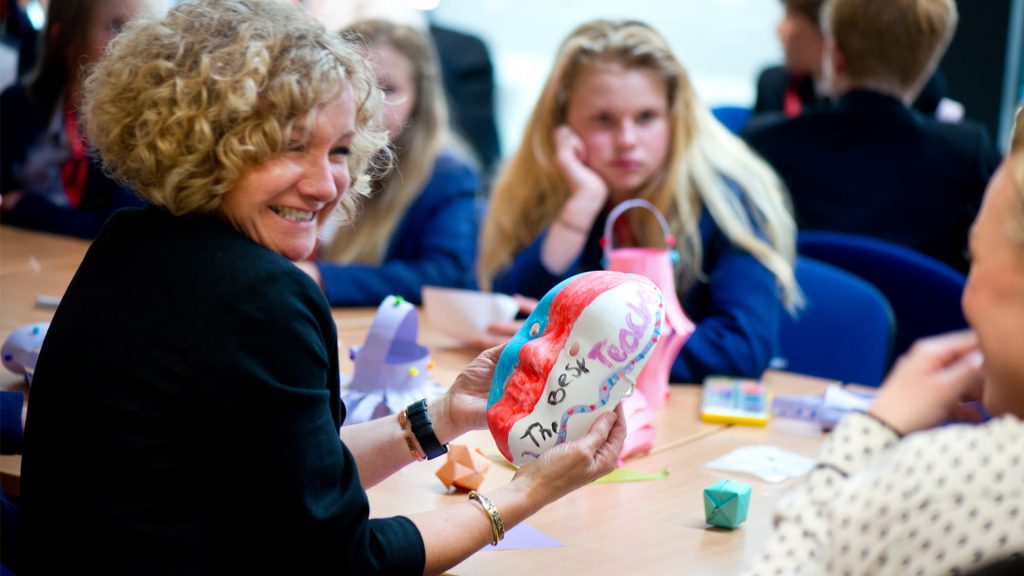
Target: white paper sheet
<point>769,463</point>
<point>466,314</point>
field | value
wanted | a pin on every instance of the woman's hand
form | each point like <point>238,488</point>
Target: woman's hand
<point>464,406</point>
<point>568,466</point>
<point>930,383</point>
<point>586,186</point>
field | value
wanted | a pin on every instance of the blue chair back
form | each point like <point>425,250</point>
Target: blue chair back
<point>734,118</point>
<point>844,332</point>
<point>924,292</point>
<point>10,534</point>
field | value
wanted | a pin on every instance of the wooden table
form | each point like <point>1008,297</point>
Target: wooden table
<point>32,264</point>
<point>653,527</point>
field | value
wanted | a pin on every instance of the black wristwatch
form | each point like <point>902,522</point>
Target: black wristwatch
<point>419,420</point>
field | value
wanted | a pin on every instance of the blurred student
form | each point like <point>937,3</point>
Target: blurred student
<point>799,84</point>
<point>47,178</point>
<point>618,119</point>
<point>467,71</point>
<point>869,164</point>
<point>890,496</point>
<point>420,225</point>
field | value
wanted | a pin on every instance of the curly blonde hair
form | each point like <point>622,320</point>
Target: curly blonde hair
<point>183,105</point>
<point>703,157</point>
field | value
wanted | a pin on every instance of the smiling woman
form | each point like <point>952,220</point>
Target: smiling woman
<point>283,202</point>
<point>192,368</point>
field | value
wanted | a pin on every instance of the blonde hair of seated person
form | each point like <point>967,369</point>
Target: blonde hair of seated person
<point>530,191</point>
<point>415,147</point>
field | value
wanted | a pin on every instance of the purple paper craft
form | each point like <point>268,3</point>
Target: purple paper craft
<point>390,367</point>
<point>523,537</point>
<point>20,350</point>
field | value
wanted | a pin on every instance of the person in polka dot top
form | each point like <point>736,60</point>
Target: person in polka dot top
<point>890,496</point>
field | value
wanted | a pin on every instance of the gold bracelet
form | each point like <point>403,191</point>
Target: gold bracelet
<point>573,227</point>
<point>497,527</point>
<point>403,423</point>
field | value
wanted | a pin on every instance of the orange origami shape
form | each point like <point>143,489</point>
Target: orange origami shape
<point>465,469</point>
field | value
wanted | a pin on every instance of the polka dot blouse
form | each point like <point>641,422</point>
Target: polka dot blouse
<point>945,501</point>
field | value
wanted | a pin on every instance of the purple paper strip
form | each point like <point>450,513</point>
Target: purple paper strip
<point>524,537</point>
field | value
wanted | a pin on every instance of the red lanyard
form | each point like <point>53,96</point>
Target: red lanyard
<point>76,168</point>
<point>791,104</point>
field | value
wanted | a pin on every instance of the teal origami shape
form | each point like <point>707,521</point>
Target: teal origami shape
<point>726,503</point>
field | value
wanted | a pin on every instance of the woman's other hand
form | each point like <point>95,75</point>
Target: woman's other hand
<point>930,383</point>
<point>571,465</point>
<point>556,473</point>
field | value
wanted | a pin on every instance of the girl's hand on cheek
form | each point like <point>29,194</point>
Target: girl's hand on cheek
<point>571,155</point>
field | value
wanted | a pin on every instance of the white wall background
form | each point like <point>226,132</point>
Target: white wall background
<point>722,43</point>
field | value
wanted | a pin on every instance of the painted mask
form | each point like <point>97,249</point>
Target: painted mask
<point>574,358</point>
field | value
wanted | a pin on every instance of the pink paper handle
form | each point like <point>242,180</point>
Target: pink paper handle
<point>622,207</point>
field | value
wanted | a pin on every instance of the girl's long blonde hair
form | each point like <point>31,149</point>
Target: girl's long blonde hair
<point>415,149</point>
<point>703,157</point>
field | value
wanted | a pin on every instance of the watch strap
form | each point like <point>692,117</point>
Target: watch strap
<point>423,430</point>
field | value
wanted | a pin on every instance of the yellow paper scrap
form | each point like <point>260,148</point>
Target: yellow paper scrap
<point>620,475</point>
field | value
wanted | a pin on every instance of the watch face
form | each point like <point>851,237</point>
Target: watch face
<point>574,358</point>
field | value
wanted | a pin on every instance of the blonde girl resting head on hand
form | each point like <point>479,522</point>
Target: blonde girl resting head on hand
<point>619,119</point>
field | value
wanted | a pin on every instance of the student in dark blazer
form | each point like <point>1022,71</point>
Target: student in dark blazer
<point>468,76</point>
<point>797,84</point>
<point>47,179</point>
<point>870,164</point>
